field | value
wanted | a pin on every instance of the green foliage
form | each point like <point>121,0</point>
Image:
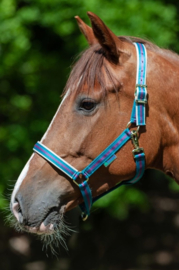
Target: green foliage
<point>38,39</point>
<point>120,200</point>
<point>174,186</point>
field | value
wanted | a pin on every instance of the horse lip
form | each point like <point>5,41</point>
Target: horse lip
<point>48,223</point>
<point>48,226</point>
<point>45,225</point>
<point>49,229</point>
<point>42,229</point>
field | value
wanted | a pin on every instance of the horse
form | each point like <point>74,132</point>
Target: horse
<point>95,110</point>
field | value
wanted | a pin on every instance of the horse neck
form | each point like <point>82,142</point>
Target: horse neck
<point>165,105</point>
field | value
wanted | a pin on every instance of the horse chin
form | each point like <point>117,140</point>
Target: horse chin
<point>53,236</point>
<point>53,222</point>
<point>52,231</point>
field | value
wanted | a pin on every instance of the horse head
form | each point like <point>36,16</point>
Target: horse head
<point>95,109</point>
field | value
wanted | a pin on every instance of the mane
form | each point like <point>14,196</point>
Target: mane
<point>165,53</point>
<point>91,67</point>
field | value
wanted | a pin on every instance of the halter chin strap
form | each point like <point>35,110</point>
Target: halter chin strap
<point>108,155</point>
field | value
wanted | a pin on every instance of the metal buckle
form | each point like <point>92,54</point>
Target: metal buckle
<point>80,176</point>
<point>135,141</point>
<point>137,150</point>
<point>129,125</point>
<point>141,85</point>
<point>143,101</point>
<point>134,137</point>
<point>84,216</point>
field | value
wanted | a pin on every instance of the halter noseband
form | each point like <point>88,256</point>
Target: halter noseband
<point>138,116</point>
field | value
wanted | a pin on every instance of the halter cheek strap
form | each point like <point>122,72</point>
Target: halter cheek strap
<point>138,115</point>
<point>108,155</point>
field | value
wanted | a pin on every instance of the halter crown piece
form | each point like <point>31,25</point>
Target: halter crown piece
<point>138,116</point>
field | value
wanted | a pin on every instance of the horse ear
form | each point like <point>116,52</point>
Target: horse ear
<point>86,31</point>
<point>111,44</point>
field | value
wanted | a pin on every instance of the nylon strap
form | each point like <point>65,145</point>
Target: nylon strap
<point>54,159</point>
<point>138,115</point>
<point>69,170</point>
<point>140,168</point>
<point>87,196</point>
<point>107,153</point>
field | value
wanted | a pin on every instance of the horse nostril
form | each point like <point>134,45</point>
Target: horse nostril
<point>17,211</point>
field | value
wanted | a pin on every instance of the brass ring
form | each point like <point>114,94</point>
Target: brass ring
<point>129,124</point>
<point>84,216</point>
<point>138,127</point>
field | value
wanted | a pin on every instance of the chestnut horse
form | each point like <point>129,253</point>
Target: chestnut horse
<point>95,109</point>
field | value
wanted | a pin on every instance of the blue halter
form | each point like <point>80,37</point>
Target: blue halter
<point>108,155</point>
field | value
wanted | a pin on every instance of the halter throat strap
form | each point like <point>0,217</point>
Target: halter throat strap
<point>138,116</point>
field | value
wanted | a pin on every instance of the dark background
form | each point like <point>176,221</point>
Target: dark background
<point>134,228</point>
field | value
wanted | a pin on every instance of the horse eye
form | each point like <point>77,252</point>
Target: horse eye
<point>87,105</point>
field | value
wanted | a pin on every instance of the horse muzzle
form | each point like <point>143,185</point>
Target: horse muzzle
<point>39,210</point>
<point>40,220</point>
